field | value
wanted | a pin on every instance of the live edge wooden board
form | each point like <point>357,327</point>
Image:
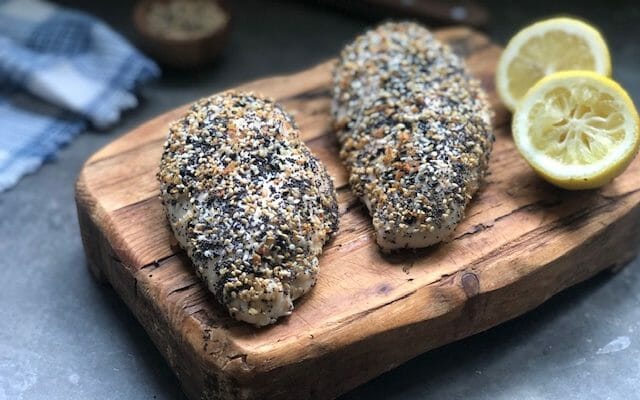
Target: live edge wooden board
<point>521,242</point>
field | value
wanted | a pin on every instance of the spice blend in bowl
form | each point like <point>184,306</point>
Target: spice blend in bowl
<point>185,19</point>
<point>183,33</point>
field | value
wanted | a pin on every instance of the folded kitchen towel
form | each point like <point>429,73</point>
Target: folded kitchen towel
<point>60,70</point>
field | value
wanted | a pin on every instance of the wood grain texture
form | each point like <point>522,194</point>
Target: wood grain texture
<point>521,242</point>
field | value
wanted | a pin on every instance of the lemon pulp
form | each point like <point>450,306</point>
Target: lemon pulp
<point>549,46</point>
<point>577,129</point>
<point>542,55</point>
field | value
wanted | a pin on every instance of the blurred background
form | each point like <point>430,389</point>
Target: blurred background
<point>62,336</point>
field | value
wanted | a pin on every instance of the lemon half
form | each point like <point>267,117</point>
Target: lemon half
<point>557,44</point>
<point>577,129</point>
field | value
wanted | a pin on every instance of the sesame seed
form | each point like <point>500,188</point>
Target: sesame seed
<point>238,183</point>
<point>403,99</point>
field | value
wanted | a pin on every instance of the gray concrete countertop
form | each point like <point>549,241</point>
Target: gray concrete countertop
<point>62,336</point>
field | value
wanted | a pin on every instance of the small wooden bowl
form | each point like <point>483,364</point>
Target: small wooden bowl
<point>182,53</point>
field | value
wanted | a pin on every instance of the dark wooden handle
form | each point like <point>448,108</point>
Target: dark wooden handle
<point>434,12</point>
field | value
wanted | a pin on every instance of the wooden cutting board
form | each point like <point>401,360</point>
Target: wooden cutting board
<point>521,242</point>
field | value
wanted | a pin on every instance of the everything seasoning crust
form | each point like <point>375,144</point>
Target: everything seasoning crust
<point>248,202</point>
<point>415,132</point>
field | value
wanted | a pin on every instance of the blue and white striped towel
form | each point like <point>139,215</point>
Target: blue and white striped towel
<point>59,70</point>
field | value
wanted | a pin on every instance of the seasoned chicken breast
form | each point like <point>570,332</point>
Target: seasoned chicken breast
<point>248,202</point>
<point>415,132</point>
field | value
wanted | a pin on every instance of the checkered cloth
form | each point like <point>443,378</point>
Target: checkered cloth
<point>59,71</point>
